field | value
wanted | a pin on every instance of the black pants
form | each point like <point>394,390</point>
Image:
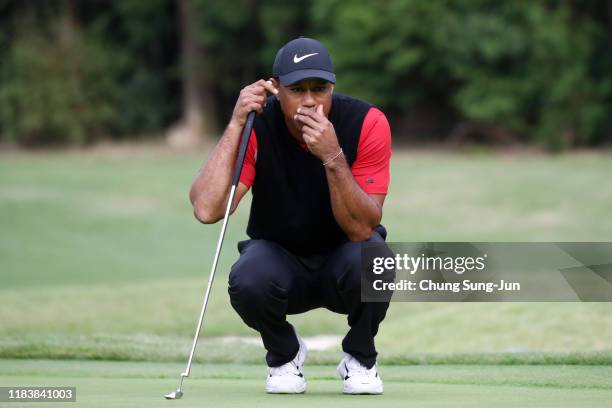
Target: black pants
<point>267,283</point>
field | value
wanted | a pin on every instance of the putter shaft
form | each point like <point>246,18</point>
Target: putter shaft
<point>208,288</point>
<point>246,133</point>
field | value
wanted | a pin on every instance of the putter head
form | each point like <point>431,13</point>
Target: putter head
<point>174,395</point>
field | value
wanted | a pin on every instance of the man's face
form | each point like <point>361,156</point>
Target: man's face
<point>306,94</point>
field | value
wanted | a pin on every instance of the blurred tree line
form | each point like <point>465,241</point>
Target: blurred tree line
<point>75,71</point>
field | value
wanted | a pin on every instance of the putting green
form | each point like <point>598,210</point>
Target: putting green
<point>121,384</point>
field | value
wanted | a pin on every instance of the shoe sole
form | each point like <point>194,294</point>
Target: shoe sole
<point>299,390</point>
<point>373,391</point>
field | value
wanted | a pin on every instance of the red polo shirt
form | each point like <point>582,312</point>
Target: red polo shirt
<point>371,167</point>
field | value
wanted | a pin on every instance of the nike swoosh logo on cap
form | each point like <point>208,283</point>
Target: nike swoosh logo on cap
<point>297,59</point>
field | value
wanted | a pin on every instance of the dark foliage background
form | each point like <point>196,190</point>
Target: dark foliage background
<point>75,71</point>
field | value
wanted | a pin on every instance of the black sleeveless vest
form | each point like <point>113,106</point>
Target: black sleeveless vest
<point>291,203</point>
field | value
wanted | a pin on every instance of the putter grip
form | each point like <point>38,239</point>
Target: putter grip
<point>244,143</point>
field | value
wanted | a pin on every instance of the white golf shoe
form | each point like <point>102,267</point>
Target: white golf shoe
<point>357,379</point>
<point>288,378</point>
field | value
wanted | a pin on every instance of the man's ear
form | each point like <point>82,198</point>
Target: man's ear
<point>332,88</point>
<point>275,83</point>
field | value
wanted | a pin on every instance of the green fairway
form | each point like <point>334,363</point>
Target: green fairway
<point>101,258</point>
<point>115,384</point>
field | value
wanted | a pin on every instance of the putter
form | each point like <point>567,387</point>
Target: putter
<point>244,142</point>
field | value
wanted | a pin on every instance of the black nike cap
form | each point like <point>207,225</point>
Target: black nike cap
<point>303,58</point>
